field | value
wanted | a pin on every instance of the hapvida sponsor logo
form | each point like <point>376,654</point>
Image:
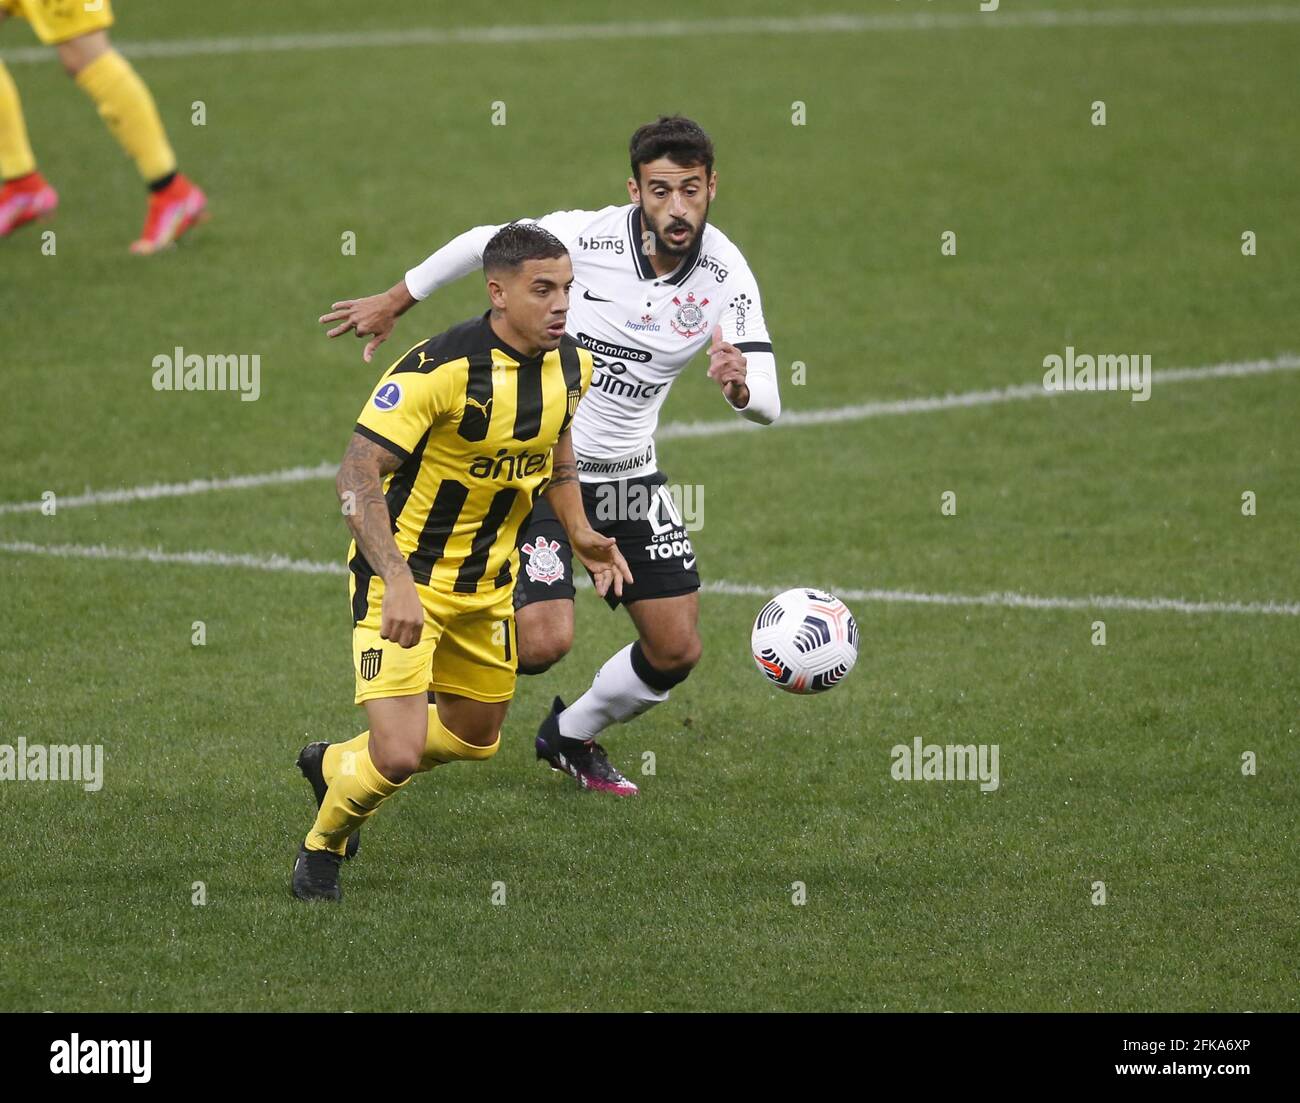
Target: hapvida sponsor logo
<point>39,762</point>
<point>182,371</point>
<point>1105,372</point>
<point>946,762</point>
<point>117,1058</point>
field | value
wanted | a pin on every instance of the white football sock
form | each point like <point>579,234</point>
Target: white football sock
<point>616,695</point>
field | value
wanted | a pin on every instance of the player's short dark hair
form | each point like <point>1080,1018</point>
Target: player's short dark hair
<point>676,137</point>
<point>520,241</point>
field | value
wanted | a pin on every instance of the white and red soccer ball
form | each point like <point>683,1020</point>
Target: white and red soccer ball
<point>805,641</point>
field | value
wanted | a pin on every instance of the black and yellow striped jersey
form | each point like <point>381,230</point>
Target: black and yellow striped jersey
<point>474,423</point>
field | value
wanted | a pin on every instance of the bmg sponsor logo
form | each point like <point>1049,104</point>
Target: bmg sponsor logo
<point>710,265</point>
<point>610,244</point>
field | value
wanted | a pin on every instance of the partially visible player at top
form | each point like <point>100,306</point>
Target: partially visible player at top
<point>658,284</point>
<point>78,31</point>
<point>457,441</point>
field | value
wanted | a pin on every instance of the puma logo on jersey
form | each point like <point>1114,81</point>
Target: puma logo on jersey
<point>482,407</point>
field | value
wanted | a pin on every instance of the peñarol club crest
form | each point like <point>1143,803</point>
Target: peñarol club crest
<point>371,658</point>
<point>689,319</point>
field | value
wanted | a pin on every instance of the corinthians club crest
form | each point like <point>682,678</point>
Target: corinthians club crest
<point>543,564</point>
<point>689,319</point>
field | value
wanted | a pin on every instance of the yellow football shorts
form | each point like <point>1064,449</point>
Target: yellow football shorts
<point>469,646</point>
<point>56,21</point>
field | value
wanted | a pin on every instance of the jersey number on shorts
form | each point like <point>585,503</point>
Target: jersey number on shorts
<point>662,501</point>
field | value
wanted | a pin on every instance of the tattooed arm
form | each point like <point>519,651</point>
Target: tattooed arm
<point>359,488</point>
<point>599,554</point>
<point>563,492</point>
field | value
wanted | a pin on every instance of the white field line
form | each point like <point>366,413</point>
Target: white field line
<point>691,28</point>
<point>1005,599</point>
<point>674,430</point>
<point>996,396</point>
<point>190,558</point>
<point>179,490</point>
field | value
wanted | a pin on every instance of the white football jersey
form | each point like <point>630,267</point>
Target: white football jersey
<point>641,329</point>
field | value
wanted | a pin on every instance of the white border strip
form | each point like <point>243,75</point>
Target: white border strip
<point>1005,600</point>
<point>692,28</point>
<point>675,430</point>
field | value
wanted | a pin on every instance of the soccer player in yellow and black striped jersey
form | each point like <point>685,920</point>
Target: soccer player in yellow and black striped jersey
<point>447,457</point>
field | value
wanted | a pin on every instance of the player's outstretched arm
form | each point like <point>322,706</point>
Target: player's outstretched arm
<point>359,488</point>
<point>376,315</point>
<point>373,317</point>
<point>599,554</point>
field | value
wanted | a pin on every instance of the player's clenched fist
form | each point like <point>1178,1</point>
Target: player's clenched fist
<point>727,369</point>
<point>402,618</point>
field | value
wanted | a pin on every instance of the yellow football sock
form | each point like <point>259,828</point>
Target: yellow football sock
<point>334,758</point>
<point>127,108</point>
<point>357,788</point>
<point>16,157</point>
<point>351,800</point>
<point>443,745</point>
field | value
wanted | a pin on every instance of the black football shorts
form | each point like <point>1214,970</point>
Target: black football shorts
<point>640,514</point>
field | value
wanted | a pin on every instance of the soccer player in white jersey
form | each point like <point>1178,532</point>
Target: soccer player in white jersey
<point>655,284</point>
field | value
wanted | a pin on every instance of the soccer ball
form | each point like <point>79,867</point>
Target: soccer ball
<point>805,640</point>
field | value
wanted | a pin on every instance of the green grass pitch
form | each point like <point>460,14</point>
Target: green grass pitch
<point>1119,763</point>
